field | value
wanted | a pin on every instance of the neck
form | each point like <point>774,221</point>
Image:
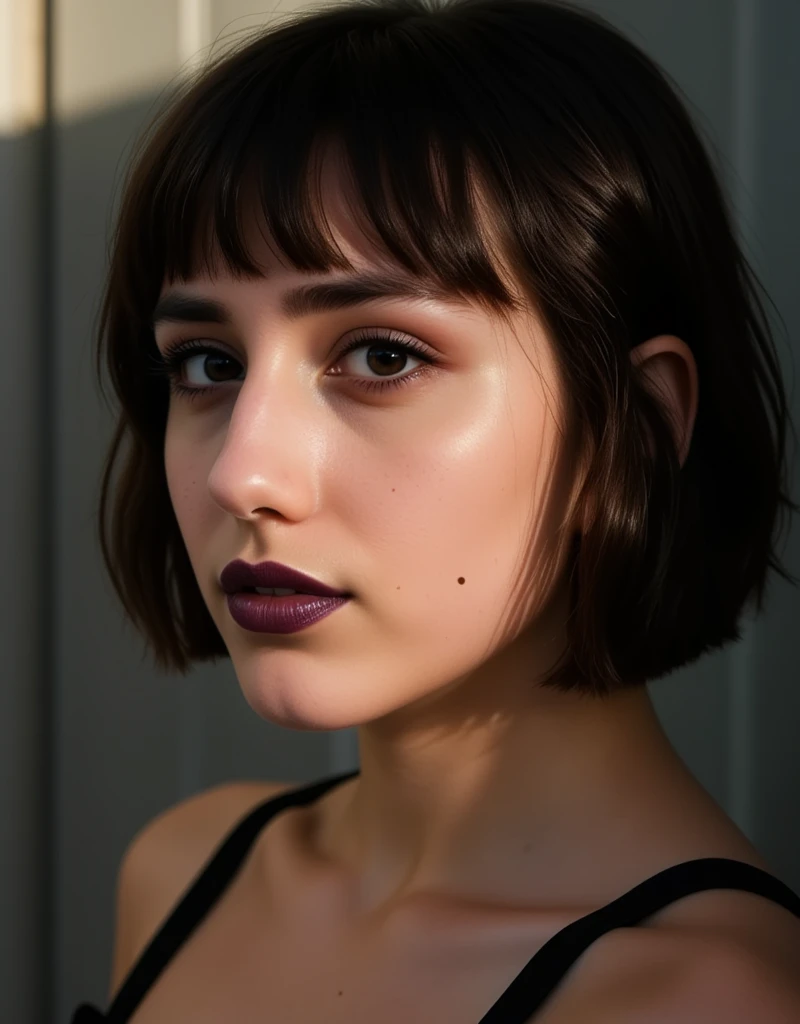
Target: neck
<point>502,807</point>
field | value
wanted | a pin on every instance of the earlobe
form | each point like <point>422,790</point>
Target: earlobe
<point>670,373</point>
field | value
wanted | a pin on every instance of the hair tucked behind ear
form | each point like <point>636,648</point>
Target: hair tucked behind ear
<point>605,205</point>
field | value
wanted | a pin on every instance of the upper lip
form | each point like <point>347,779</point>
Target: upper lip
<point>240,574</point>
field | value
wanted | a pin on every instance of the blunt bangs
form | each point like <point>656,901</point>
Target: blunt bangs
<point>412,156</point>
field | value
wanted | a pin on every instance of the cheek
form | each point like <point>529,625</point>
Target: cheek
<point>186,471</point>
<point>451,499</point>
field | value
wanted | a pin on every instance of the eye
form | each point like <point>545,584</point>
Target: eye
<point>385,355</point>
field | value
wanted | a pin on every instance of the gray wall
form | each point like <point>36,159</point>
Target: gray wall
<point>95,742</point>
<point>26,520</point>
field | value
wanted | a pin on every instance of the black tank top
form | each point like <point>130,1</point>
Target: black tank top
<point>527,991</point>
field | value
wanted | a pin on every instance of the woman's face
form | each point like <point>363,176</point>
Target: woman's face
<point>424,501</point>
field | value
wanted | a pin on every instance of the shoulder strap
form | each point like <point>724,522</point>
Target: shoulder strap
<point>204,892</point>
<point>549,965</point>
<point>87,1014</point>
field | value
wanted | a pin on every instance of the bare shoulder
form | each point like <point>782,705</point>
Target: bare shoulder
<point>726,981</point>
<point>753,987</point>
<point>165,856</point>
<point>175,844</point>
<point>691,980</point>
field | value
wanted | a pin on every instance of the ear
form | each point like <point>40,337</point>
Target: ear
<point>670,373</point>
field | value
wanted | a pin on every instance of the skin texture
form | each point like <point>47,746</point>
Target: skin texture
<point>475,784</point>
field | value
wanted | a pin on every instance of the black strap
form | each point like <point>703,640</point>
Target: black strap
<point>548,966</point>
<point>202,895</point>
<point>87,1014</point>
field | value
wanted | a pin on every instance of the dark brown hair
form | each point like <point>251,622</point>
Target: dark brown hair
<point>614,222</point>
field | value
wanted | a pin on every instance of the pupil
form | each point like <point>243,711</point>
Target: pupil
<point>209,362</point>
<point>395,356</point>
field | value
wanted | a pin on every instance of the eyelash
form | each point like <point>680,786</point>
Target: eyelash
<point>177,352</point>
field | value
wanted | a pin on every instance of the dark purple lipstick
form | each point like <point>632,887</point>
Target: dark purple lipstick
<point>276,613</point>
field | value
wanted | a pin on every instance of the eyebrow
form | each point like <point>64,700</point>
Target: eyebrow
<point>306,299</point>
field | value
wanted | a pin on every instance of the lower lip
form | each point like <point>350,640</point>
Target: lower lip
<point>262,613</point>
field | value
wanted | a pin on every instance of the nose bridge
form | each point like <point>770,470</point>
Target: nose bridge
<point>266,454</point>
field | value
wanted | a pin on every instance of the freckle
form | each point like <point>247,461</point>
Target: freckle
<point>460,579</point>
<point>398,588</point>
<point>393,490</point>
<point>340,993</point>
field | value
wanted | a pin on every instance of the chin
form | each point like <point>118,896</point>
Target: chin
<point>293,703</point>
<point>297,690</point>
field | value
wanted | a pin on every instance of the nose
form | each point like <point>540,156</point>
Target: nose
<point>272,451</point>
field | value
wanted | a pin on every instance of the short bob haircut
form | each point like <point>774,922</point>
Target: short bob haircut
<point>609,211</point>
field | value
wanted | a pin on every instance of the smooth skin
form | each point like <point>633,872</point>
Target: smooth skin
<point>482,797</point>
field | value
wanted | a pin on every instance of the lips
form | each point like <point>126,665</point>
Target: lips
<point>240,575</point>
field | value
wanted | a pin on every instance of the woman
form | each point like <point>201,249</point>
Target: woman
<point>440,307</point>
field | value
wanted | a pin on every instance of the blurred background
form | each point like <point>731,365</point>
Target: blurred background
<point>94,742</point>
